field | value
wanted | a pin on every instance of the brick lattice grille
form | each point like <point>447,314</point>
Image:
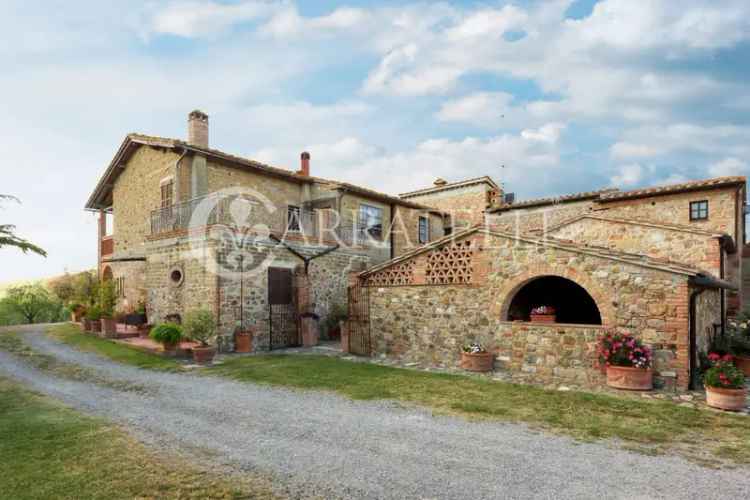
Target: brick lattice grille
<point>450,265</point>
<point>400,274</point>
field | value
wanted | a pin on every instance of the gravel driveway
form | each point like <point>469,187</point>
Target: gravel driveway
<point>321,444</point>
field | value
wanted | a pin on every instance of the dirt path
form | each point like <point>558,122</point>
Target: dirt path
<point>322,444</point>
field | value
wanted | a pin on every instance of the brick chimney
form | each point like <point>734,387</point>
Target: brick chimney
<point>198,129</point>
<point>304,164</point>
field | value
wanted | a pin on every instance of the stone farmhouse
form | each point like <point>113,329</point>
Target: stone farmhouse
<point>194,227</point>
<point>275,251</point>
<point>662,263</point>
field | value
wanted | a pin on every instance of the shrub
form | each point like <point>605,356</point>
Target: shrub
<point>724,375</point>
<point>622,349</point>
<point>166,333</point>
<point>107,298</point>
<point>336,314</point>
<point>200,326</point>
<point>94,313</point>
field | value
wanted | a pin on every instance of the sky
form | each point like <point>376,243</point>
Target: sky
<point>547,97</point>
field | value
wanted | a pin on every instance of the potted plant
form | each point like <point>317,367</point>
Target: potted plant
<point>107,301</point>
<point>200,326</point>
<point>737,342</point>
<point>94,316</point>
<point>336,315</point>
<point>627,362</point>
<point>168,335</point>
<point>475,358</point>
<point>243,339</point>
<point>543,314</point>
<point>725,386</point>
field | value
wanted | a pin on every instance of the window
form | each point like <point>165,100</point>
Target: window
<point>371,220</point>
<point>447,231</point>
<point>699,210</point>
<point>120,287</point>
<point>292,218</point>
<point>166,194</point>
<point>424,230</point>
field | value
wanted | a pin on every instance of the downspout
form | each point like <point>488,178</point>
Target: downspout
<point>390,231</point>
<point>722,292</point>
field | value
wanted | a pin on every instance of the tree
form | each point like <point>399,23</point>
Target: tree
<point>8,238</point>
<point>30,301</point>
<point>63,287</point>
<point>86,288</point>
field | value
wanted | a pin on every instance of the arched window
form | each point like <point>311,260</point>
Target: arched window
<point>572,303</point>
<point>107,273</point>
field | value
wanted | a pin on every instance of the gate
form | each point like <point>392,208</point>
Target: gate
<point>359,319</point>
<point>282,310</point>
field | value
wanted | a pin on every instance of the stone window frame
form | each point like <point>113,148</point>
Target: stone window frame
<point>423,230</point>
<point>171,276</point>
<point>699,210</point>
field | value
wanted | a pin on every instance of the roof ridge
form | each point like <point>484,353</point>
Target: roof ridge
<point>451,185</point>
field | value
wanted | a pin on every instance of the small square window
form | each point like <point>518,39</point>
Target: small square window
<point>699,210</point>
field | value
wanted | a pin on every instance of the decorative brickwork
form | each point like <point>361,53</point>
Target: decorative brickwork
<point>451,264</point>
<point>399,274</point>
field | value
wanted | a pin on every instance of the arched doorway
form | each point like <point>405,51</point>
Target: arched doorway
<point>107,274</point>
<point>571,301</point>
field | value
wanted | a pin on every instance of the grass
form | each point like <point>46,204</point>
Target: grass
<point>648,425</point>
<point>72,335</point>
<point>656,424</point>
<point>12,343</point>
<point>49,451</point>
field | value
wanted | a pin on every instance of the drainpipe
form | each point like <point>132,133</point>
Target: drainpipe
<point>390,231</point>
<point>723,293</point>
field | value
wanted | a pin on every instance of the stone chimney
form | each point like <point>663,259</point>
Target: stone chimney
<point>198,129</point>
<point>304,164</point>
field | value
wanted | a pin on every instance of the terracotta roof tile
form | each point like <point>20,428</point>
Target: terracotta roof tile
<point>673,188</point>
<point>566,198</point>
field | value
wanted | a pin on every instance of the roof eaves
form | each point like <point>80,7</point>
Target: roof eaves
<point>700,185</point>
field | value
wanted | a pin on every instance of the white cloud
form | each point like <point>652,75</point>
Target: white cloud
<point>200,18</point>
<point>486,109</point>
<point>628,175</point>
<point>727,167</point>
<point>621,150</point>
<point>549,133</point>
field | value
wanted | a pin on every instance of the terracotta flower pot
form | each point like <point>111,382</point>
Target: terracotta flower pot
<point>477,362</point>
<point>96,326</point>
<point>243,341</point>
<point>170,346</point>
<point>543,318</point>
<point>109,327</point>
<point>203,354</point>
<point>726,399</point>
<point>630,378</point>
<point>143,330</point>
<point>743,364</point>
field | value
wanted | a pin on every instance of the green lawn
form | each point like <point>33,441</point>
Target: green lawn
<point>49,451</point>
<point>72,335</point>
<point>649,425</point>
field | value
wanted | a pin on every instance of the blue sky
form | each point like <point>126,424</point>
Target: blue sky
<point>568,95</point>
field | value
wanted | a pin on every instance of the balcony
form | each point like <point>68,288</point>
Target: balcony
<point>315,227</point>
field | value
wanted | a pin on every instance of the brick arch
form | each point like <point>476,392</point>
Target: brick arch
<point>509,289</point>
<point>107,273</point>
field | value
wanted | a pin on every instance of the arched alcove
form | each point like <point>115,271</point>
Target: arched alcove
<point>572,303</point>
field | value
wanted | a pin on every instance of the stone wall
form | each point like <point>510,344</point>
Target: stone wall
<point>675,208</point>
<point>134,274</point>
<point>135,194</point>
<point>429,323</point>
<point>707,314</point>
<point>696,248</point>
<point>465,204</point>
<point>534,219</point>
